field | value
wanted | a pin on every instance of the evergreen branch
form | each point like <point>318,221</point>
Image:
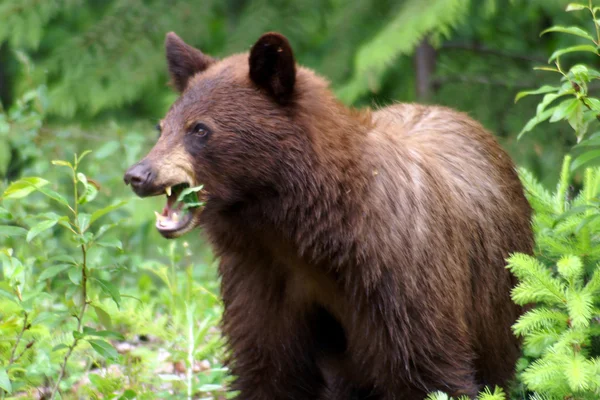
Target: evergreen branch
<point>540,318</point>
<point>400,36</point>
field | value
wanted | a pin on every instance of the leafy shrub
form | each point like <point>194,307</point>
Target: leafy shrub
<point>563,281</point>
<point>560,285</point>
<point>82,314</point>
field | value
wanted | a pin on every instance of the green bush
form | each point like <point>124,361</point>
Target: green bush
<point>82,314</point>
<point>560,285</point>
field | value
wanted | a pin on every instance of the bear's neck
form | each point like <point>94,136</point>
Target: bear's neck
<point>326,192</point>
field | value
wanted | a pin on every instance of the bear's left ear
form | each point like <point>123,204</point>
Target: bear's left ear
<point>184,61</point>
<point>272,66</point>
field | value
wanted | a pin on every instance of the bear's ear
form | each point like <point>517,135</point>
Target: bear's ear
<point>272,66</point>
<point>184,61</point>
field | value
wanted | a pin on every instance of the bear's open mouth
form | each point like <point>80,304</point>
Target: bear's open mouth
<point>184,204</point>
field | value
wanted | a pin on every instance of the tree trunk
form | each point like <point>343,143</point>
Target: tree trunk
<point>424,59</point>
<point>5,87</point>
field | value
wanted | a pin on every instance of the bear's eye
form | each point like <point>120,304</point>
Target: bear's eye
<point>158,129</point>
<point>199,130</point>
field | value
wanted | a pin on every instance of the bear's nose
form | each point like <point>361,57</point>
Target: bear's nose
<point>139,176</point>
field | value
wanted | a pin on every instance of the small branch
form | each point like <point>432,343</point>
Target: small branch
<point>475,48</point>
<point>14,349</point>
<point>29,345</point>
<point>63,367</point>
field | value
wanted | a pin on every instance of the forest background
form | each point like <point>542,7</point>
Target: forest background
<point>81,75</point>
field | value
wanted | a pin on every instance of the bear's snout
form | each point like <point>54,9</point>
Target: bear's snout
<point>141,177</point>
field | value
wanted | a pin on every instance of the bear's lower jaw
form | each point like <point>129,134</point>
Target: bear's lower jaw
<point>170,229</point>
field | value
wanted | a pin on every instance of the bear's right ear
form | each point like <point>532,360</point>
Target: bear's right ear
<point>272,66</point>
<point>184,61</point>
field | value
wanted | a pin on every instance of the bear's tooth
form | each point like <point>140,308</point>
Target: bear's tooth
<point>175,217</point>
<point>168,190</point>
<point>159,217</point>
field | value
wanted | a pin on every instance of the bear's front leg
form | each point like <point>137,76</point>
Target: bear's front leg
<point>273,354</point>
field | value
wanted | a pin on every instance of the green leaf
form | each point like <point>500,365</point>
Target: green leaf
<point>85,153</point>
<point>189,197</point>
<point>115,244</point>
<point>10,230</point>
<point>574,116</point>
<point>109,289</point>
<point>103,211</point>
<point>9,296</point>
<point>39,228</point>
<point>584,159</point>
<point>593,103</point>
<point>4,381</point>
<point>575,7</point>
<point>62,163</point>
<point>23,187</point>
<point>90,192</point>
<point>110,334</point>
<point>54,195</point>
<point>580,73</point>
<point>104,348</point>
<point>75,276</point>
<point>542,90</point>
<point>591,142</point>
<point>103,317</point>
<point>544,68</point>
<point>571,30</point>
<point>580,48</point>
<point>83,220</point>
<point>103,229</point>
<point>564,109</point>
<point>536,120</point>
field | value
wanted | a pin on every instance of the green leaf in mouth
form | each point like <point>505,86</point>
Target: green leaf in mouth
<point>189,197</point>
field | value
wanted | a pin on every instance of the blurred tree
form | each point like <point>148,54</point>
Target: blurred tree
<point>104,60</point>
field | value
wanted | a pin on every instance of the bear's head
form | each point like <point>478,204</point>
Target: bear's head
<point>232,130</point>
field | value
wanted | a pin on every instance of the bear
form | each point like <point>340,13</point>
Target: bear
<point>362,252</point>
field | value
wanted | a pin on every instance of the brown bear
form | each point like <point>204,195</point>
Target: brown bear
<point>362,253</point>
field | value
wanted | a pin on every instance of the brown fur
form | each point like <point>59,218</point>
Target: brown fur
<point>362,253</point>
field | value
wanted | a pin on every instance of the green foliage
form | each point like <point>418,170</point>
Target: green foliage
<point>85,75</point>
<point>72,317</point>
<point>561,356</point>
<point>400,36</point>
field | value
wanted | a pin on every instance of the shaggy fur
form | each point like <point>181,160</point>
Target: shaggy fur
<point>362,253</point>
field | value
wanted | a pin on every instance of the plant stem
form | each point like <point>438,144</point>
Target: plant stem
<point>63,367</point>
<point>75,194</point>
<point>191,346</point>
<point>14,349</point>
<point>595,24</point>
